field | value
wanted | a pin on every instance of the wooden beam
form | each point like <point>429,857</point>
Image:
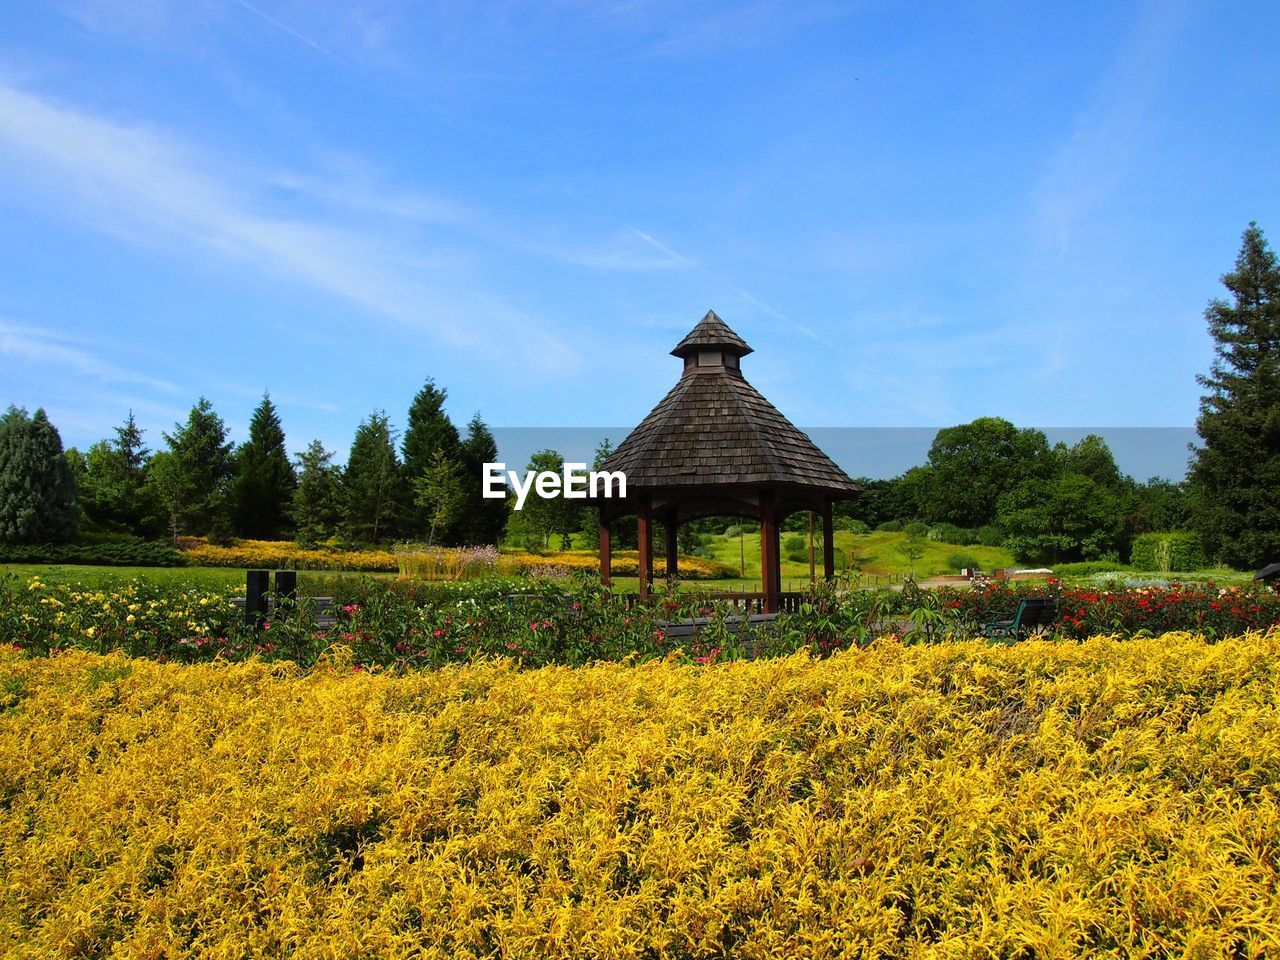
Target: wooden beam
<point>828,544</point>
<point>606,555</point>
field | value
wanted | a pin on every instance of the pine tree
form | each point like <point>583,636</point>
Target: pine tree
<point>37,489</point>
<point>194,484</point>
<point>1235,473</point>
<point>429,430</point>
<point>317,499</point>
<point>113,488</point>
<point>372,489</point>
<point>483,520</point>
<point>262,492</point>
<point>440,494</point>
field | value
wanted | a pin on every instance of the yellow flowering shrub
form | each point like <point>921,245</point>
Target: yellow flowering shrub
<point>623,563</point>
<point>1110,798</point>
<point>284,554</point>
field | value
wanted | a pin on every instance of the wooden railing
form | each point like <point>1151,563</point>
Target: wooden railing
<point>741,601</point>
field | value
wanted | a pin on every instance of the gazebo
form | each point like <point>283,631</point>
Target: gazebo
<point>714,446</point>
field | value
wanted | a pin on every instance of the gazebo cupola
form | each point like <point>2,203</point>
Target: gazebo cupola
<point>711,346</point>
<point>715,446</point>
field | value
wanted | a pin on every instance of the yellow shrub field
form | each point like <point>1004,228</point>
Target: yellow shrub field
<point>284,555</point>
<point>1103,799</point>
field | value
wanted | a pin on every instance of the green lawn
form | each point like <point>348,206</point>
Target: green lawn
<point>877,553</point>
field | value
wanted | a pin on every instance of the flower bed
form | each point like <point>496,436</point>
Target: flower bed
<point>1105,799</point>
<point>1087,611</point>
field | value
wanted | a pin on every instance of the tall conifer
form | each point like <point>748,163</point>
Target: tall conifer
<point>1235,473</point>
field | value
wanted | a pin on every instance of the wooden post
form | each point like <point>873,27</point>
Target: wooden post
<point>770,562</point>
<point>812,575</point>
<point>644,525</point>
<point>828,544</point>
<point>672,526</point>
<point>606,555</point>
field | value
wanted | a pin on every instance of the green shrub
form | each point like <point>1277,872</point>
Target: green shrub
<point>950,533</point>
<point>796,548</point>
<point>733,531</point>
<point>1087,568</point>
<point>963,561</point>
<point>990,536</point>
<point>101,553</point>
<point>1173,551</point>
<point>850,524</point>
<point>890,526</point>
<point>917,528</point>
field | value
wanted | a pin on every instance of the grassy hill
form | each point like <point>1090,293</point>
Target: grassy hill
<point>875,553</point>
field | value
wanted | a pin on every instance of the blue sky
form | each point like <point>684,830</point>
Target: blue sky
<point>916,214</point>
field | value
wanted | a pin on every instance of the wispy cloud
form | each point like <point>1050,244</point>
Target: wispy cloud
<point>1097,156</point>
<point>297,35</point>
<point>35,345</point>
<point>724,281</point>
<point>134,181</point>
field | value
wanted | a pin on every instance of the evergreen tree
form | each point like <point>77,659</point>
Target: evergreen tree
<point>372,482</point>
<point>317,498</point>
<point>113,490</point>
<point>1235,473</point>
<point>262,491</point>
<point>37,489</point>
<point>429,430</point>
<point>193,488</point>
<point>170,487</point>
<point>440,494</point>
<point>483,520</point>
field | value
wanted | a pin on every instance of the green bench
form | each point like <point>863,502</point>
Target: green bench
<point>1034,615</point>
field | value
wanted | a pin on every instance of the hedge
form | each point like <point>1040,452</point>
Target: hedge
<point>104,553</point>
<point>1168,552</point>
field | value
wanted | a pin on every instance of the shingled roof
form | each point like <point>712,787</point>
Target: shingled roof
<point>711,331</point>
<point>713,428</point>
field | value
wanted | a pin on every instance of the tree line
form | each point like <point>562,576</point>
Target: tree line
<point>424,485</point>
<point>1072,503</point>
<point>988,479</point>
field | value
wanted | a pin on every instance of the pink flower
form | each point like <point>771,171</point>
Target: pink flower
<point>438,632</point>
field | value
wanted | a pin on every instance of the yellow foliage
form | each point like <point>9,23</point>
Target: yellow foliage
<point>1102,799</point>
<point>284,554</point>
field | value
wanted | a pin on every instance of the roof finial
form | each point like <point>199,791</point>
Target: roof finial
<point>711,332</point>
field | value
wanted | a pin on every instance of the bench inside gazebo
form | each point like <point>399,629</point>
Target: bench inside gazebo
<point>715,447</point>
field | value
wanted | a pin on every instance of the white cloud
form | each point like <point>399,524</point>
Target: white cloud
<point>1098,156</point>
<point>133,181</point>
<point>33,345</point>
